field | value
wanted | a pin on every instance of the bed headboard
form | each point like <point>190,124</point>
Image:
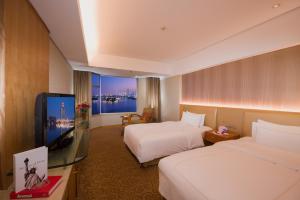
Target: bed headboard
<point>240,120</point>
<point>210,113</point>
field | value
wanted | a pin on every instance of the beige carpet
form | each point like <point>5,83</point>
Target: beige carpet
<point>111,172</point>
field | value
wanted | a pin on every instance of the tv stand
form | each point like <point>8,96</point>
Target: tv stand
<point>72,149</point>
<point>63,143</point>
<point>66,141</point>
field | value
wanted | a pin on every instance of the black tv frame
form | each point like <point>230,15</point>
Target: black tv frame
<point>41,124</point>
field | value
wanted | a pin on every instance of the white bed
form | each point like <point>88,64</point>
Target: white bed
<point>155,140</point>
<point>233,170</point>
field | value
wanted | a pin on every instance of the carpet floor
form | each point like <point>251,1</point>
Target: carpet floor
<point>111,172</point>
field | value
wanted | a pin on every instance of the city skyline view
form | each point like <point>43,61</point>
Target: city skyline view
<point>113,85</point>
<point>117,85</point>
<point>54,107</point>
<point>60,116</point>
<point>112,94</point>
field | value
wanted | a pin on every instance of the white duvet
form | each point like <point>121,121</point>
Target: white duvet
<point>231,170</point>
<point>155,140</point>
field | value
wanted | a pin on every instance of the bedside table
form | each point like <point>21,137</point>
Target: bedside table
<point>210,137</point>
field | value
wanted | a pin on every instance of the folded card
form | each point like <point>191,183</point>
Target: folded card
<point>30,168</point>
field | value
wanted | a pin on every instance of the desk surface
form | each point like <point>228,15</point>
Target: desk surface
<point>63,159</point>
<point>73,153</point>
<point>58,194</point>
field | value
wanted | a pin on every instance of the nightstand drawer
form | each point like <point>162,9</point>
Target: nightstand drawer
<point>211,137</point>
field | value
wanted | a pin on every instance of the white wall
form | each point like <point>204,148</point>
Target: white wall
<point>141,95</point>
<point>60,72</point>
<point>115,118</point>
<point>170,98</point>
<point>105,119</point>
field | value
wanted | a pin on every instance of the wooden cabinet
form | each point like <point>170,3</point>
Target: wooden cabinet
<point>71,192</point>
<point>211,137</point>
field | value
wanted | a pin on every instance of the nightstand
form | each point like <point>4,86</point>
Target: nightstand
<point>211,137</point>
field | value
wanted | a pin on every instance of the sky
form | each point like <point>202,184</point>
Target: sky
<point>53,104</point>
<point>113,84</point>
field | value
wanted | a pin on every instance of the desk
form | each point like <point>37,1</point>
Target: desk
<point>60,193</point>
<point>62,162</point>
<point>73,153</point>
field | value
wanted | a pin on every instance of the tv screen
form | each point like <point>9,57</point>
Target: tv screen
<point>60,117</point>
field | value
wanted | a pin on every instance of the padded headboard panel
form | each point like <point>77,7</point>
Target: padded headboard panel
<point>231,118</point>
<point>240,120</point>
<point>210,113</point>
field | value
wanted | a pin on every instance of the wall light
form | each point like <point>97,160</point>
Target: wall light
<point>277,5</point>
<point>242,106</point>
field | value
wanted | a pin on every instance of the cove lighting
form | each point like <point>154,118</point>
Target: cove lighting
<point>239,106</point>
<point>89,21</point>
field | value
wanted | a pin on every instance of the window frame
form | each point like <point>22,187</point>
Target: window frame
<point>100,93</point>
<point>99,90</point>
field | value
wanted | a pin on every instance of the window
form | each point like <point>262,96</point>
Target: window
<point>96,97</point>
<point>111,94</point>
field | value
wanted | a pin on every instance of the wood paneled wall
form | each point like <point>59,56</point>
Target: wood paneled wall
<point>267,81</point>
<point>26,75</point>
<point>1,89</point>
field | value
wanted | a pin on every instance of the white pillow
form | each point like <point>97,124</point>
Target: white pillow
<point>278,126</point>
<point>185,116</point>
<point>274,137</point>
<point>200,117</point>
<point>254,129</point>
<point>193,119</point>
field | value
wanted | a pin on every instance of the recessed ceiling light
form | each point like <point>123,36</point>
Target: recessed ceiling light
<point>277,5</point>
<point>163,28</point>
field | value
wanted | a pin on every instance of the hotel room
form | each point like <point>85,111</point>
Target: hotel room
<point>176,100</point>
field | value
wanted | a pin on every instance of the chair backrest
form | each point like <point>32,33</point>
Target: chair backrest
<point>148,114</point>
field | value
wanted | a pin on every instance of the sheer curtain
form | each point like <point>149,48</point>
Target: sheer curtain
<point>153,95</point>
<point>81,86</point>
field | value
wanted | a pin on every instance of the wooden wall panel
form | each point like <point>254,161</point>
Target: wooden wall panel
<point>2,42</point>
<point>26,74</point>
<point>268,81</point>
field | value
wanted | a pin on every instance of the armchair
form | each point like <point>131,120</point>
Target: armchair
<point>146,117</point>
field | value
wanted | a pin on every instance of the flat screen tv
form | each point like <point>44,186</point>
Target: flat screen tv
<point>55,118</point>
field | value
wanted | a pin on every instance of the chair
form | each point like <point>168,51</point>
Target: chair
<point>146,117</point>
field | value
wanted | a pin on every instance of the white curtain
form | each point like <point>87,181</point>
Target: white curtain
<point>153,96</point>
<point>81,86</point>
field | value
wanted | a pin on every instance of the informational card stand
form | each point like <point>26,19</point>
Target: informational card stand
<point>30,168</point>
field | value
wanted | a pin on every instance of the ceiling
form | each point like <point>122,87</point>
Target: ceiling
<point>103,33</point>
<point>63,21</point>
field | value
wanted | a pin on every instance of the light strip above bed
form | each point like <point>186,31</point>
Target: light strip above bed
<point>250,107</point>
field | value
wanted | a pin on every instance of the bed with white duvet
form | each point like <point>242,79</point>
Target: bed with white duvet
<point>263,167</point>
<point>155,140</point>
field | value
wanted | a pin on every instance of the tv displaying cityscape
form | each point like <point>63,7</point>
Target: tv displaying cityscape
<point>111,94</point>
<point>60,117</point>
